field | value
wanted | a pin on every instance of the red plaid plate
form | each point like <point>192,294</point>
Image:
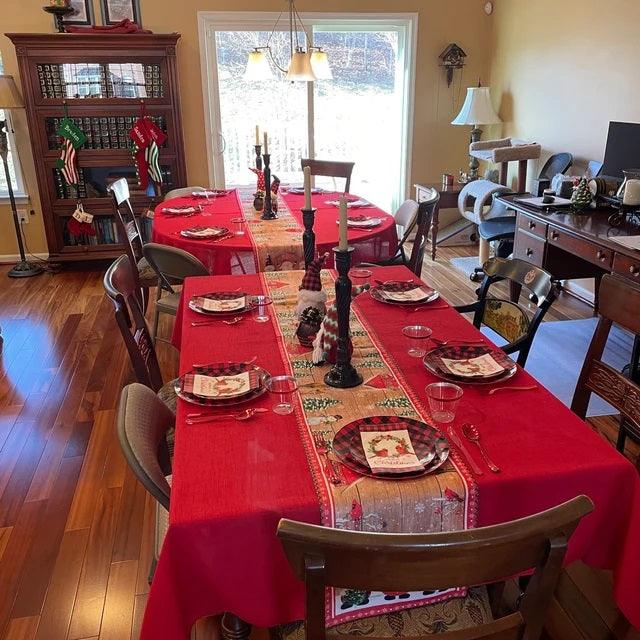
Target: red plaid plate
<point>428,294</point>
<point>428,443</point>
<point>257,377</point>
<point>184,210</point>
<point>210,193</point>
<point>433,362</point>
<point>195,233</point>
<point>197,303</point>
<point>299,191</point>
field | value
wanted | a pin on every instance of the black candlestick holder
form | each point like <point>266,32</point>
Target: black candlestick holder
<point>308,236</point>
<point>258,149</point>
<point>267,213</point>
<point>343,374</point>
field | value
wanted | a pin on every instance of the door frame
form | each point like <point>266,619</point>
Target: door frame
<point>211,21</point>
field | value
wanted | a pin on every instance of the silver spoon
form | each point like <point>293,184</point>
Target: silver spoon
<point>472,434</point>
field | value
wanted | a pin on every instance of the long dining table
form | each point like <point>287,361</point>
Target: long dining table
<point>267,245</point>
<point>233,481</point>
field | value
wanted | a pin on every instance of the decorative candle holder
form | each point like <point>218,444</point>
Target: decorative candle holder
<point>258,149</point>
<point>267,213</point>
<point>343,374</point>
<point>308,236</point>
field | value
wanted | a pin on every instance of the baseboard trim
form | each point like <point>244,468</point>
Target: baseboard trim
<point>11,258</point>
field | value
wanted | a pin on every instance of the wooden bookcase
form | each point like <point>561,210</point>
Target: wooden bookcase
<point>103,80</point>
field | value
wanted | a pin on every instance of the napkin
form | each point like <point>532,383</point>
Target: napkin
<point>232,304</point>
<point>221,386</point>
<point>390,451</point>
<point>480,367</point>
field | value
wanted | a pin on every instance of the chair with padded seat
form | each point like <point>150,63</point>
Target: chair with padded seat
<point>618,303</point>
<point>171,266</point>
<point>421,226</point>
<point>181,192</point>
<point>401,563</point>
<point>121,287</point>
<point>331,169</point>
<point>509,319</point>
<point>131,236</point>
<point>143,423</point>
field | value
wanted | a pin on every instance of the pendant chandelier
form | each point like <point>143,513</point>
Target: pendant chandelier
<point>304,65</point>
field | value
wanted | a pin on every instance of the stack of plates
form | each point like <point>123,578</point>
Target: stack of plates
<point>221,384</point>
<point>470,364</point>
<point>185,210</point>
<point>430,446</point>
<point>222,303</point>
<point>300,190</point>
<point>358,203</point>
<point>210,193</point>
<point>362,222</point>
<point>197,233</point>
<point>403,293</point>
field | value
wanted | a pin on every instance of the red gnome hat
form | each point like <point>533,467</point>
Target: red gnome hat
<point>311,279</point>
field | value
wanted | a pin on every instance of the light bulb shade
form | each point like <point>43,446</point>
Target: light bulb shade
<point>10,97</point>
<point>258,67</point>
<point>320,65</point>
<point>477,108</point>
<point>300,67</point>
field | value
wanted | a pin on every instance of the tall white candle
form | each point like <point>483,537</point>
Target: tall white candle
<point>307,187</point>
<point>257,135</point>
<point>265,146</point>
<point>343,244</point>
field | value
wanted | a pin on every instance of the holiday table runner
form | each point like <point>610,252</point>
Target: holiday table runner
<point>445,500</point>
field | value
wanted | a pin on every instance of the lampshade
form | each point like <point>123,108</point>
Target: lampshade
<point>10,97</point>
<point>258,67</point>
<point>477,108</point>
<point>300,67</point>
<point>320,65</point>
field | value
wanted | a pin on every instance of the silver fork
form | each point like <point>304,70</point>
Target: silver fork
<point>322,447</point>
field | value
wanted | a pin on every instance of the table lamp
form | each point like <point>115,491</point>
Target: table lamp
<point>476,110</point>
<point>10,99</point>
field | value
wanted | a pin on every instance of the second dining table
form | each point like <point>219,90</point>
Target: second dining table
<point>233,480</point>
<point>248,244</point>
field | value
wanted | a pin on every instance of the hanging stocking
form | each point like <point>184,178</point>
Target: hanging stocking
<point>72,139</point>
<point>141,140</point>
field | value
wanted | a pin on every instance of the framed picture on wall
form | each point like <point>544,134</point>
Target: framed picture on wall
<point>82,13</point>
<point>113,11</point>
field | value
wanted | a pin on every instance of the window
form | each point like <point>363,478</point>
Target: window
<point>14,167</point>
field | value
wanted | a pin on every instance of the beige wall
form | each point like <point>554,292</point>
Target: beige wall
<point>562,70</point>
<point>437,145</point>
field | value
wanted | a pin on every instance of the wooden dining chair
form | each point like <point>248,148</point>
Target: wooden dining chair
<point>325,557</point>
<point>508,319</point>
<point>619,303</point>
<point>421,227</point>
<point>143,424</point>
<point>330,168</point>
<point>121,287</point>
<point>171,266</point>
<point>131,236</point>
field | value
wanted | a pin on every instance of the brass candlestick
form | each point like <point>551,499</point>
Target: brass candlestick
<point>343,374</point>
<point>308,236</point>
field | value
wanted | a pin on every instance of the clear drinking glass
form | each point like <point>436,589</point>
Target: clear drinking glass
<point>416,337</point>
<point>238,226</point>
<point>283,388</point>
<point>260,313</point>
<point>443,400</point>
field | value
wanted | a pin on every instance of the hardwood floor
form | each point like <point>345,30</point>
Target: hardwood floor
<point>75,525</point>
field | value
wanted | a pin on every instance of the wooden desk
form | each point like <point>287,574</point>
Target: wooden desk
<point>572,245</point>
<point>448,200</point>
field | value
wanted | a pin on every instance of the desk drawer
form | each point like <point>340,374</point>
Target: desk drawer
<point>626,266</point>
<point>581,248</point>
<point>531,225</point>
<point>529,247</point>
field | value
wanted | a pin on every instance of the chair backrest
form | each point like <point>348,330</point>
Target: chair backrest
<point>325,557</point>
<point>120,285</point>
<point>182,191</point>
<point>143,421</point>
<point>172,265</point>
<point>557,163</point>
<point>331,168</point>
<point>618,302</point>
<point>509,319</point>
<point>423,223</point>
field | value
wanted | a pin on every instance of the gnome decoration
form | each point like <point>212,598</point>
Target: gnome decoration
<point>258,196</point>
<point>275,185</point>
<point>310,293</point>
<point>325,345</point>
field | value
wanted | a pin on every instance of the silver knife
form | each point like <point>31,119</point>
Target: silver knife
<point>456,440</point>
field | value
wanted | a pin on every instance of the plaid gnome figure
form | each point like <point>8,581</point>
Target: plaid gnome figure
<point>325,345</point>
<point>310,293</point>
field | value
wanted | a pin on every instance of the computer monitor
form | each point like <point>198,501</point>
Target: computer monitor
<point>623,149</point>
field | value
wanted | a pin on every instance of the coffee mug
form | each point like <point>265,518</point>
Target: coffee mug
<point>631,195</point>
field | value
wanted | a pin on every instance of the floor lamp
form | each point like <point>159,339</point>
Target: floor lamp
<point>10,99</point>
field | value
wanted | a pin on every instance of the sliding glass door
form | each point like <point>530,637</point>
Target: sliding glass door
<point>361,115</point>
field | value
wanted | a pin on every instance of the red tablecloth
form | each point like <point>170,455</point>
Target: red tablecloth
<point>238,255</point>
<point>232,482</point>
